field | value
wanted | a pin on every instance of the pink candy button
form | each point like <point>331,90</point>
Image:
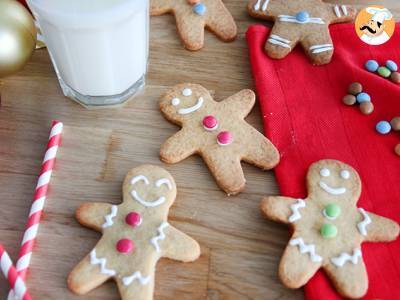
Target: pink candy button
<point>224,138</point>
<point>134,219</point>
<point>125,246</point>
<point>210,123</point>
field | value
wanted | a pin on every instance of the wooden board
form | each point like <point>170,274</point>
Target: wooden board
<point>240,250</point>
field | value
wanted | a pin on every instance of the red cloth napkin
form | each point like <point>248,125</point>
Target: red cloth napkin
<point>304,117</point>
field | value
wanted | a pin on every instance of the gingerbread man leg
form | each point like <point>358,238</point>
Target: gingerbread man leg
<point>296,268</point>
<point>191,32</point>
<point>319,47</point>
<point>281,41</point>
<point>350,280</point>
<point>227,172</point>
<point>86,277</point>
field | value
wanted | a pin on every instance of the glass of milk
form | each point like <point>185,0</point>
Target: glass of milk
<point>99,48</point>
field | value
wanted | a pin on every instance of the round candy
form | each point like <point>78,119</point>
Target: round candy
<point>384,72</point>
<point>383,127</point>
<point>397,149</point>
<point>395,77</point>
<point>210,123</point>
<point>302,16</point>
<point>199,9</point>
<point>133,219</point>
<point>224,138</point>
<point>355,88</point>
<point>125,246</point>
<point>367,108</point>
<point>372,65</point>
<point>363,97</point>
<point>392,66</point>
<point>395,123</point>
<point>332,211</point>
<point>349,100</point>
<point>329,231</point>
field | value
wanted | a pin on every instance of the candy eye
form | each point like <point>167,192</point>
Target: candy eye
<point>176,101</point>
<point>187,92</point>
<point>325,172</point>
<point>345,174</point>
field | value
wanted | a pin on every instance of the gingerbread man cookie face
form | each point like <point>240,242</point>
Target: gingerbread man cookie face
<point>192,16</point>
<point>328,229</point>
<point>136,234</point>
<point>216,131</point>
<point>305,22</point>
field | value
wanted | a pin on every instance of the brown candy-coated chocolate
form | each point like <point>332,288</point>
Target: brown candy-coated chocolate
<point>397,149</point>
<point>349,100</point>
<point>366,108</point>
<point>395,123</point>
<point>355,88</point>
<point>395,77</point>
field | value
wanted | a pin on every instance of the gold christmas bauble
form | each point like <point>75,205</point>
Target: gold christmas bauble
<point>17,37</point>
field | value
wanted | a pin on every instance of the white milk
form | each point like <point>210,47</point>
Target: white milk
<point>99,47</point>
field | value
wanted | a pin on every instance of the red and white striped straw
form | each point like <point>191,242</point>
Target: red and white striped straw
<point>32,226</point>
<point>11,274</point>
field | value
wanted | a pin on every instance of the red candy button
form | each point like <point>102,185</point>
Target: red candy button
<point>125,246</point>
<point>133,219</point>
<point>210,123</point>
<point>224,138</point>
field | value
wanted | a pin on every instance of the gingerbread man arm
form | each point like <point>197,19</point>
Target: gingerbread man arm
<point>92,215</point>
<point>282,209</point>
<point>179,246</point>
<point>350,280</point>
<point>159,7</point>
<point>179,146</point>
<point>265,9</point>
<point>379,229</point>
<point>340,13</point>
<point>221,23</point>
<point>239,104</point>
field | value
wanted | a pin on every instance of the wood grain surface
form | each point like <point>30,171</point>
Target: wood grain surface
<point>240,249</point>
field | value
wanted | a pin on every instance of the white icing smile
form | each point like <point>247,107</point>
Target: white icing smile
<point>331,190</point>
<point>158,184</point>
<point>188,110</point>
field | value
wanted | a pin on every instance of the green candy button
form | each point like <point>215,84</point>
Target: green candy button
<point>328,231</point>
<point>384,72</point>
<point>332,211</point>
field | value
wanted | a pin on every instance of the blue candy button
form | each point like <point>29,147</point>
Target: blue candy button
<point>372,65</point>
<point>363,97</point>
<point>383,127</point>
<point>199,9</point>
<point>302,16</point>
<point>392,66</point>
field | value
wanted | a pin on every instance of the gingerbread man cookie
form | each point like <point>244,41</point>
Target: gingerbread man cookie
<point>136,234</point>
<point>328,229</point>
<point>216,131</point>
<point>302,21</point>
<point>192,16</point>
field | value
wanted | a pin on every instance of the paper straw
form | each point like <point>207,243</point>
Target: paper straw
<point>11,274</point>
<point>39,199</point>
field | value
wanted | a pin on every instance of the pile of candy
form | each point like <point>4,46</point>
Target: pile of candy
<point>389,70</point>
<point>384,127</point>
<point>356,95</point>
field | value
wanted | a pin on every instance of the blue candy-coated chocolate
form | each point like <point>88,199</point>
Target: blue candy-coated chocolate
<point>302,16</point>
<point>372,65</point>
<point>383,127</point>
<point>363,97</point>
<point>392,66</point>
<point>199,9</point>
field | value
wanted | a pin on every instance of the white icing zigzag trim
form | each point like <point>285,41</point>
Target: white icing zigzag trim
<point>304,248</point>
<point>160,236</point>
<point>102,262</point>
<point>109,222</point>
<point>362,226</point>
<point>344,257</point>
<point>295,209</point>
<point>143,280</point>
<point>280,41</point>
